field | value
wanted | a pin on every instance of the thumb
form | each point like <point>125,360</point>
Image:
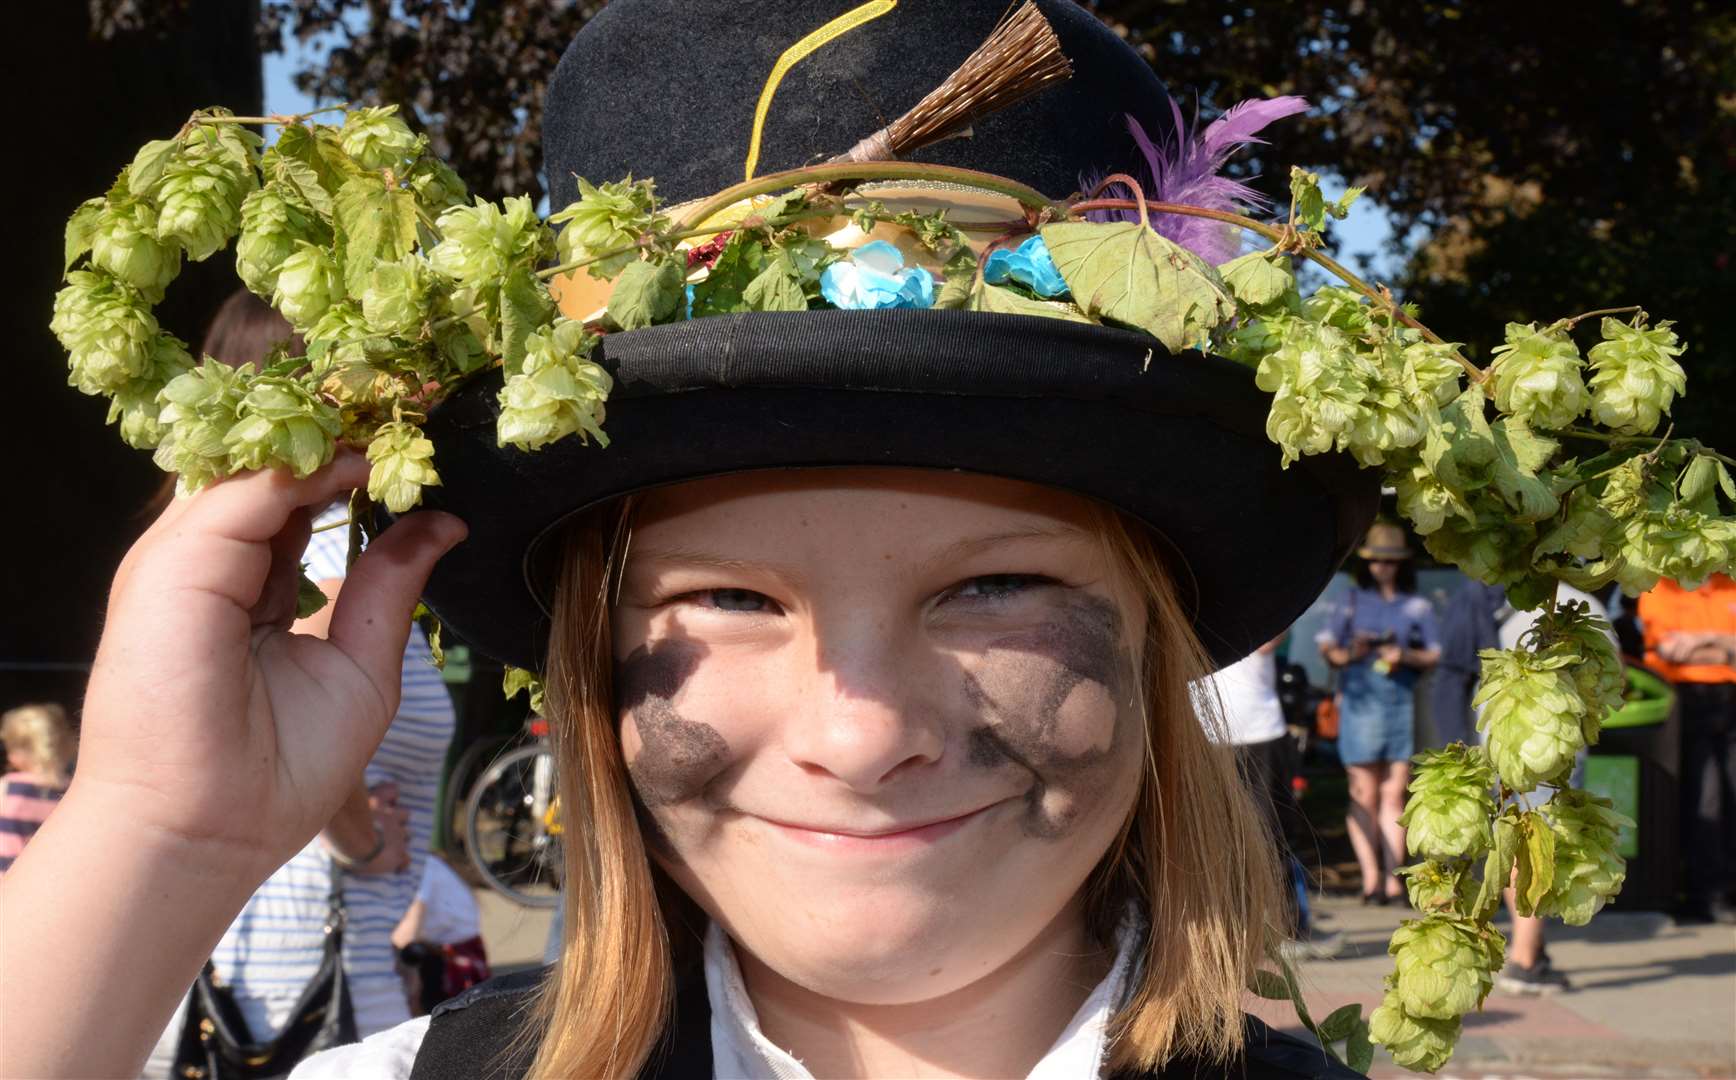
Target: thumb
<point>371,620</point>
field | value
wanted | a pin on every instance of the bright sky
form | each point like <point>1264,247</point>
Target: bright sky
<point>1363,232</point>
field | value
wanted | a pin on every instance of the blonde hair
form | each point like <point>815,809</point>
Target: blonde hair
<point>1194,853</point>
<point>42,731</point>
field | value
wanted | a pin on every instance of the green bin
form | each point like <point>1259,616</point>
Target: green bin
<point>1635,764</point>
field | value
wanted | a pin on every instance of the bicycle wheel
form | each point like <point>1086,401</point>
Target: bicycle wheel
<point>507,839</point>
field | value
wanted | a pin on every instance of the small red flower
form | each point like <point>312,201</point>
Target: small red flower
<point>706,254</point>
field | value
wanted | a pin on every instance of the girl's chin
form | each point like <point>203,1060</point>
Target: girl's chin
<point>881,966</point>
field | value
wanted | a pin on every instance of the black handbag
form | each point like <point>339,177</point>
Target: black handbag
<point>215,1043</point>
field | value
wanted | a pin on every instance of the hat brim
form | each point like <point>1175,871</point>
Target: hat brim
<point>1368,553</point>
<point>1177,441</point>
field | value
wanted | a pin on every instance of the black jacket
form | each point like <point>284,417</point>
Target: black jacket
<point>469,1035</point>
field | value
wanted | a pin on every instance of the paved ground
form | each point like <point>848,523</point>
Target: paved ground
<point>1651,999</point>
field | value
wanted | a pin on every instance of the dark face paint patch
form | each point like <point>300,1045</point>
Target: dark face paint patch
<point>1023,688</point>
<point>677,757</point>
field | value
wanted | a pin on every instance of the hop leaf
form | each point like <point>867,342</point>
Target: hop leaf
<point>1124,272</point>
<point>1634,375</point>
<point>136,405</point>
<point>558,391</point>
<point>274,223</point>
<point>198,409</point>
<point>397,297</point>
<point>1257,280</point>
<point>515,681</point>
<point>106,329</point>
<point>647,293</point>
<point>1444,968</point>
<point>606,217</point>
<point>1537,377</point>
<point>307,285</point>
<point>1415,1042</point>
<point>403,464</point>
<point>1532,714</point>
<point>377,139</point>
<point>280,422</point>
<point>1588,870</point>
<point>124,242</point>
<point>481,242</point>
<point>1450,804</point>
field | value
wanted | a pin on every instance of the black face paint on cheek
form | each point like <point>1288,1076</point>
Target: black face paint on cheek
<point>1023,688</point>
<point>677,757</point>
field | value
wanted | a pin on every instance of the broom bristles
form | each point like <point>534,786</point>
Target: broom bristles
<point>1021,57</point>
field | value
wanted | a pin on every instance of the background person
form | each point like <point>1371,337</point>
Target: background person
<point>40,747</point>
<point>1380,638</point>
<point>439,939</point>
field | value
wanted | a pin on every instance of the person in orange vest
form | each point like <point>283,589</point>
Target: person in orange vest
<point>1690,637</point>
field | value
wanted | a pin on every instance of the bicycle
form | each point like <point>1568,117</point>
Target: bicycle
<point>512,823</point>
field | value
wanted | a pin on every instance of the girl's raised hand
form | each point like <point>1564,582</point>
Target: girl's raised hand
<point>216,728</point>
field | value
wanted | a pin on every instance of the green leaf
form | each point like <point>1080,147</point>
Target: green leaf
<point>1699,479</point>
<point>1270,985</point>
<point>1125,273</point>
<point>308,597</point>
<point>723,291</point>
<point>1536,864</point>
<point>432,627</point>
<point>776,288</point>
<point>1005,301</point>
<point>1257,279</point>
<point>1342,207</point>
<point>1498,868</point>
<point>955,291</point>
<point>1725,484</point>
<point>647,293</point>
<point>524,307</point>
<point>1519,453</point>
<point>80,231</point>
<point>516,681</point>
<point>377,225</point>
<point>325,158</point>
<point>298,176</point>
<point>1310,203</point>
<point>1341,1022</point>
<point>146,171</point>
<point>1359,1050</point>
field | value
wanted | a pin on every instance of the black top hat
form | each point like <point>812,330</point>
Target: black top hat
<point>669,89</point>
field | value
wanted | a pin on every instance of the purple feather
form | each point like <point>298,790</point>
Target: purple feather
<point>1184,169</point>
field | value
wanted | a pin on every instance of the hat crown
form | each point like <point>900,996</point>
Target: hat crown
<point>1385,538</point>
<point>668,89</point>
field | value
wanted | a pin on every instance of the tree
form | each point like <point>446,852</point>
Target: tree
<point>1560,157</point>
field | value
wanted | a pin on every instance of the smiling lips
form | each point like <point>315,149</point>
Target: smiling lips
<point>879,840</point>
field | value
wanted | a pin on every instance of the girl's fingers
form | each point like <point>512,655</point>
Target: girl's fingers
<point>254,507</point>
<point>372,618</point>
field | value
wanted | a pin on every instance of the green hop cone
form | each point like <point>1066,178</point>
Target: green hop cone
<point>376,139</point>
<point>1423,499</point>
<point>200,203</point>
<point>308,284</point>
<point>403,464</point>
<point>482,241</point>
<point>137,406</point>
<point>558,392</point>
<point>1634,375</point>
<point>397,297</point>
<point>1571,629</point>
<point>1438,887</point>
<point>604,218</point>
<point>437,187</point>
<point>1316,387</point>
<point>1444,968</point>
<point>125,244</point>
<point>1415,1042</point>
<point>1588,870</point>
<point>1531,714</point>
<point>108,332</point>
<point>1678,543</point>
<point>198,409</point>
<point>1450,804</point>
<point>1489,547</point>
<point>280,422</point>
<point>274,222</point>
<point>1537,377</point>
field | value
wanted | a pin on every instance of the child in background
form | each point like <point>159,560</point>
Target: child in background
<point>39,750</point>
<point>439,939</point>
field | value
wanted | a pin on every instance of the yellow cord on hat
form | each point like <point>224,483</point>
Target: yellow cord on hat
<point>794,55</point>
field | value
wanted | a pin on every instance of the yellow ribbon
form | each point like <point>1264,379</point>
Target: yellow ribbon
<point>794,55</point>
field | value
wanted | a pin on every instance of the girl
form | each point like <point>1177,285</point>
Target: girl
<point>39,750</point>
<point>867,643</point>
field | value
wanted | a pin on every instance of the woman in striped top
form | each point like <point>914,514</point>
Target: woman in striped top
<point>39,748</point>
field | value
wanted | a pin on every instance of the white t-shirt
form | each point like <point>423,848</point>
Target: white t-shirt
<point>450,914</point>
<point>1248,691</point>
<point>1518,622</point>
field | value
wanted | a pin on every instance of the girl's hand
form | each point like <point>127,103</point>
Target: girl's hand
<point>207,723</point>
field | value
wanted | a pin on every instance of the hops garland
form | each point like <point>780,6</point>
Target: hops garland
<point>403,288</point>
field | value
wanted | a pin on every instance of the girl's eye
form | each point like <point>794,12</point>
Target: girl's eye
<point>999,586</point>
<point>742,600</point>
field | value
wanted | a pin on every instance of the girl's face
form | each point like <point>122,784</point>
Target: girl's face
<point>884,722</point>
<point>1383,571</point>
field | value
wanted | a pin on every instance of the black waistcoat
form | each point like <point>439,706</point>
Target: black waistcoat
<point>468,1036</point>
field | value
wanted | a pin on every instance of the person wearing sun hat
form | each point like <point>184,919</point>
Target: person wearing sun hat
<point>867,642</point>
<point>1379,639</point>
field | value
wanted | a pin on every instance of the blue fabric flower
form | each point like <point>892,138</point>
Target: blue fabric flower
<point>874,276</point>
<point>1029,265</point>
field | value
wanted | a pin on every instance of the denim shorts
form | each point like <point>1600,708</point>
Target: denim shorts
<point>1376,718</point>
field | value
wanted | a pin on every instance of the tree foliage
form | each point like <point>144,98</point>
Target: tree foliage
<point>1555,155</point>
